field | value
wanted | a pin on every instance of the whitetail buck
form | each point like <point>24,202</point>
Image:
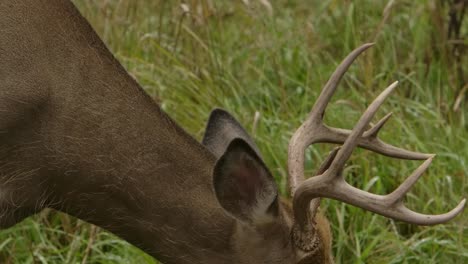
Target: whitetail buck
<point>79,135</point>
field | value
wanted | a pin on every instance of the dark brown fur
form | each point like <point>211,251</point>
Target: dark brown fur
<point>79,135</point>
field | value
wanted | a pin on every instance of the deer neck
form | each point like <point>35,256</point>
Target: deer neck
<point>153,188</point>
<point>146,179</point>
<point>95,140</point>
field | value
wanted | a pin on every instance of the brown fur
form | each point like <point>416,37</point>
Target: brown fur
<point>79,135</point>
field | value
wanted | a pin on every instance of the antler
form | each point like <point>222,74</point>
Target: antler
<point>329,181</point>
<point>313,130</point>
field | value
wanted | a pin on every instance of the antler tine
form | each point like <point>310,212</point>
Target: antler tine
<point>313,130</point>
<point>370,141</point>
<point>376,128</point>
<point>328,161</point>
<point>315,203</point>
<point>330,87</point>
<point>331,184</point>
<point>351,142</point>
<point>306,133</point>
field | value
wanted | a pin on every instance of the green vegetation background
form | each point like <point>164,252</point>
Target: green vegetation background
<point>273,57</point>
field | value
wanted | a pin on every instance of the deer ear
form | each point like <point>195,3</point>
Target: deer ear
<point>221,129</point>
<point>244,186</point>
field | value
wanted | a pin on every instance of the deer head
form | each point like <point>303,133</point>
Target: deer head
<point>246,190</point>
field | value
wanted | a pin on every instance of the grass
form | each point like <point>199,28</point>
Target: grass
<point>249,58</point>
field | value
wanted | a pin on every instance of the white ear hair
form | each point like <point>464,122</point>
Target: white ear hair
<point>244,186</point>
<point>265,198</point>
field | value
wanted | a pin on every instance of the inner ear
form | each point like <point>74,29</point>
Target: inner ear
<point>244,186</point>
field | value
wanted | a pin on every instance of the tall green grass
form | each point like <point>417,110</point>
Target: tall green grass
<point>247,58</point>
